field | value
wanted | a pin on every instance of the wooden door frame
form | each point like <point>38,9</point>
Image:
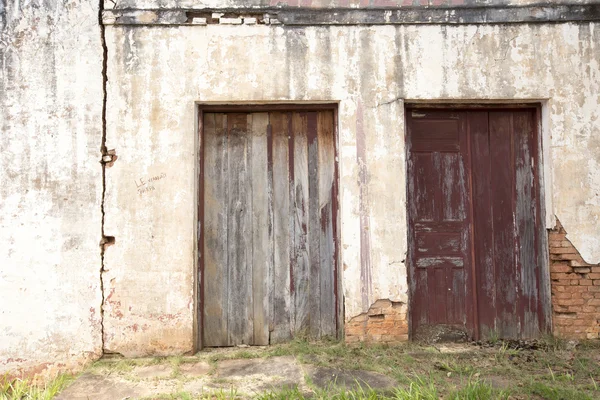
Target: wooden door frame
<point>217,107</point>
<point>544,306</point>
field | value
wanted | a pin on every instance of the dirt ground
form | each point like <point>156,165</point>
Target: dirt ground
<point>540,369</point>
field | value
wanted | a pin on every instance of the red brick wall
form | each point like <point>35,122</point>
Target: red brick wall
<point>386,321</point>
<point>575,290</point>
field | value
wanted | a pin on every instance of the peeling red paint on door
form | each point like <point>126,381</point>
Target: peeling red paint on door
<point>474,220</point>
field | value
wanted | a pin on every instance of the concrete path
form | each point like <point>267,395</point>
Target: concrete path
<point>228,378</point>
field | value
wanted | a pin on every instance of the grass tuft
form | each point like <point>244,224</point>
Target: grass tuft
<point>22,389</point>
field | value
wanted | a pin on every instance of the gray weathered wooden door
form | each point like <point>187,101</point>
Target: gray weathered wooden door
<point>269,227</point>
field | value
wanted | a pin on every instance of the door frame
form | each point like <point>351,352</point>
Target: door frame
<point>219,107</point>
<point>542,183</point>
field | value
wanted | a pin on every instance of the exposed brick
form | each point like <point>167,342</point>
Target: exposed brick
<point>575,289</point>
<point>385,321</point>
<point>563,250</point>
<point>576,263</point>
<point>562,322</point>
<point>560,275</point>
<point>563,295</point>
<point>556,236</point>
<point>561,268</point>
<point>571,256</point>
<point>570,302</point>
<point>562,282</point>
<point>581,270</point>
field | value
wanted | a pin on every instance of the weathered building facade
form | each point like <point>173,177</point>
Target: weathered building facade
<point>255,171</point>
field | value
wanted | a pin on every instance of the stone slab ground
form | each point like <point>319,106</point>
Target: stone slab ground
<point>244,377</point>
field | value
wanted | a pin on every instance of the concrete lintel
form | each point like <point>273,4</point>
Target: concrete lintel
<point>549,13</point>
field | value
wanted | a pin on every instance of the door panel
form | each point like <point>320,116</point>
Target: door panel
<point>214,248</point>
<point>482,221</point>
<point>473,185</point>
<point>269,238</point>
<point>282,305</point>
<point>239,230</point>
<point>439,225</point>
<point>262,245</point>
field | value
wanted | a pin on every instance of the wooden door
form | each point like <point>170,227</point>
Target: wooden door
<point>269,236</point>
<point>474,222</point>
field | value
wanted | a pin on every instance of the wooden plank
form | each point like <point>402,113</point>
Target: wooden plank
<point>282,304</point>
<point>326,148</point>
<point>336,224</point>
<point>239,231</point>
<point>420,308</point>
<point>525,224</point>
<point>458,295</point>
<point>314,227</point>
<point>453,187</point>
<point>261,229</point>
<point>301,264</point>
<point>439,293</point>
<point>424,199</point>
<point>453,315</point>
<point>502,181</point>
<point>482,222</point>
<point>215,308</point>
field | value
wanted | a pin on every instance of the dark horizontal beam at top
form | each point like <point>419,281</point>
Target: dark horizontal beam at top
<point>459,15</point>
<point>228,108</point>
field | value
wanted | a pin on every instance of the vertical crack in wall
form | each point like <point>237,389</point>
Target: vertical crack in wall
<point>104,153</point>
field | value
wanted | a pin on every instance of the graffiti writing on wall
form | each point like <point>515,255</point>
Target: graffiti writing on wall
<point>146,184</point>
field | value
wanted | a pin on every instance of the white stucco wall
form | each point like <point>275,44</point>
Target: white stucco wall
<point>50,185</point>
<point>157,74</point>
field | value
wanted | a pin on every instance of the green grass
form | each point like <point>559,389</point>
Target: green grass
<point>283,394</point>
<point>476,389</point>
<point>558,392</point>
<point>220,394</point>
<point>19,389</point>
<point>418,389</point>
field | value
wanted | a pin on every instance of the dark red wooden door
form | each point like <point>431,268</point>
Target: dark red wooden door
<point>474,221</point>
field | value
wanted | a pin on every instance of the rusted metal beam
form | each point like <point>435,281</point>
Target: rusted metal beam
<point>459,15</point>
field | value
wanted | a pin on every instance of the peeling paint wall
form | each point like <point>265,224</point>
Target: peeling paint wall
<point>157,74</point>
<point>50,185</point>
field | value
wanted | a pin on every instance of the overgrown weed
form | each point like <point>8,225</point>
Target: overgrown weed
<point>22,389</point>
